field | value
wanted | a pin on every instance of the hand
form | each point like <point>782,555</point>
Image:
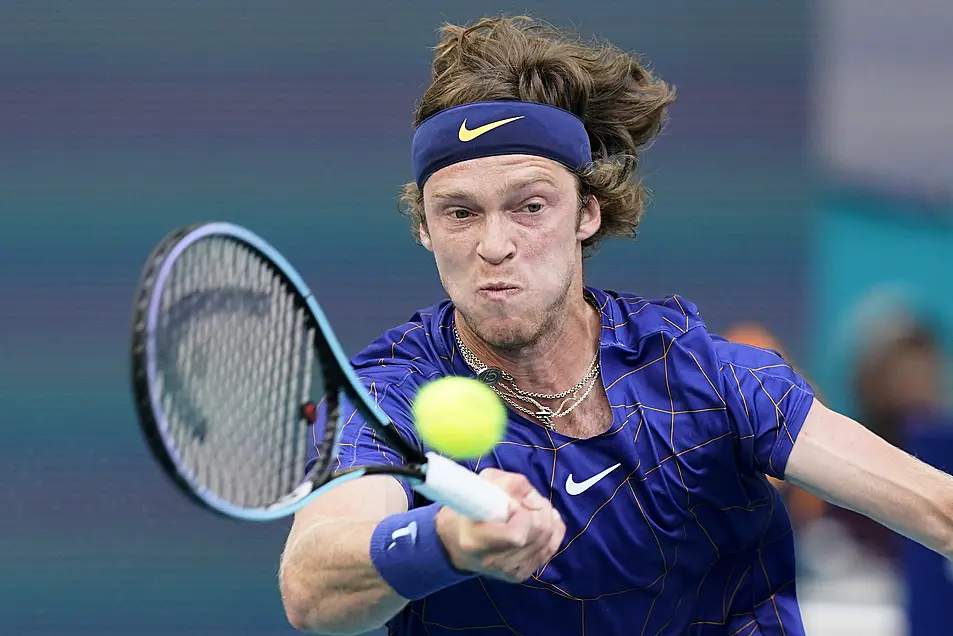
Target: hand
<point>510,550</point>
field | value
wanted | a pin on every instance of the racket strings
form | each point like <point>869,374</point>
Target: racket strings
<point>236,360</point>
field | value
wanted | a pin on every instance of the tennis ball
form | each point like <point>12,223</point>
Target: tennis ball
<point>460,417</point>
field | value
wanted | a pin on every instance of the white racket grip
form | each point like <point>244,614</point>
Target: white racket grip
<point>460,488</point>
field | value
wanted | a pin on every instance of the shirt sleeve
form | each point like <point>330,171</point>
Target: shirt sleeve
<point>358,443</point>
<point>767,402</point>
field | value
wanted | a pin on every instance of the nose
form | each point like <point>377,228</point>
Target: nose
<point>496,244</point>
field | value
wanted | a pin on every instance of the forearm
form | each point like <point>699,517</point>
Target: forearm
<point>903,508</point>
<point>849,466</point>
<point>927,516</point>
<point>329,584</point>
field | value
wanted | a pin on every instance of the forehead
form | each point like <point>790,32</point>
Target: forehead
<point>497,175</point>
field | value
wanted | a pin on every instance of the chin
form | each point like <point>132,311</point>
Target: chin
<point>506,333</point>
<point>507,339</point>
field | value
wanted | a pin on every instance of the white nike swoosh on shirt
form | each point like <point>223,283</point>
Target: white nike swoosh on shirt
<point>572,488</point>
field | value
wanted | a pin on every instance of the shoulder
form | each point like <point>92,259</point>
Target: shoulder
<point>630,318</point>
<point>408,354</point>
<point>672,328</point>
<point>749,357</point>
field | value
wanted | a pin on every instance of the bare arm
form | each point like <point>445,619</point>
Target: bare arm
<point>844,463</point>
<point>328,583</point>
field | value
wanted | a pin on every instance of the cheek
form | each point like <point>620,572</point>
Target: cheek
<point>552,246</point>
<point>450,255</point>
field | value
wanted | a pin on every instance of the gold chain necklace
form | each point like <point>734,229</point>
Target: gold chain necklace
<point>504,385</point>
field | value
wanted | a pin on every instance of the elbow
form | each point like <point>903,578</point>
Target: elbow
<point>311,611</point>
<point>314,622</point>
<point>300,609</point>
<point>312,619</point>
<point>301,619</point>
<point>309,622</point>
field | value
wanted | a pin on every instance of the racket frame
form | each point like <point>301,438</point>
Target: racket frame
<point>339,378</point>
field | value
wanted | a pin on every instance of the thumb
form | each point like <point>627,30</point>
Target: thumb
<point>518,487</point>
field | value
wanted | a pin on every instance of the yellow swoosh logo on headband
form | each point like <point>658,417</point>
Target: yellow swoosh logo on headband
<point>466,135</point>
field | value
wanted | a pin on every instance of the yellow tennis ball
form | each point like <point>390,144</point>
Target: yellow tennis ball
<point>459,416</point>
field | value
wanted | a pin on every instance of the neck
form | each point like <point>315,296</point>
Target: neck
<point>555,362</point>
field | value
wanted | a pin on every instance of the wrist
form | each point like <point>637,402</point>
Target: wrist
<point>448,529</point>
<point>410,555</point>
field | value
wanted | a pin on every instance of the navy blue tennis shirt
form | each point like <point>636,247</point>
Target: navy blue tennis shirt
<point>671,525</point>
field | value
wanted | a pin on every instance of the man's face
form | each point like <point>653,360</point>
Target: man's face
<point>506,233</point>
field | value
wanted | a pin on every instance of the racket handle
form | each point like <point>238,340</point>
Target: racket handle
<point>456,487</point>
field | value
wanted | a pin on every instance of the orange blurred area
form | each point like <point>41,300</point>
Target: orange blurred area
<point>802,506</point>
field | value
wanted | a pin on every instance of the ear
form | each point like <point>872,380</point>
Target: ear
<point>425,236</point>
<point>590,219</point>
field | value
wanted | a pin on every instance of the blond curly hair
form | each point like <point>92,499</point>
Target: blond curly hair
<point>622,105</point>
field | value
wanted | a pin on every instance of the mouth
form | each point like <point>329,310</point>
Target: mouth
<point>498,287</point>
<point>498,290</point>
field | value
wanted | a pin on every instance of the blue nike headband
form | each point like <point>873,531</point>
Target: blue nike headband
<point>488,129</point>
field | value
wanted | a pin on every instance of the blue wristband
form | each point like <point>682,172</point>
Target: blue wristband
<point>410,557</point>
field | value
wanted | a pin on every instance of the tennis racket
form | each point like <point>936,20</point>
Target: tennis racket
<point>236,372</point>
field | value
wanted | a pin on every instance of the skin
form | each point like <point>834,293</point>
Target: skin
<point>517,221</point>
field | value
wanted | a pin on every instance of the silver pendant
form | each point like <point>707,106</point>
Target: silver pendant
<point>545,415</point>
<point>489,375</point>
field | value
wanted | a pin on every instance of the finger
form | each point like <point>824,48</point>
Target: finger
<point>521,545</point>
<point>500,575</point>
<point>513,567</point>
<point>526,564</point>
<point>515,484</point>
<point>545,549</point>
<point>542,527</point>
<point>513,563</point>
<point>560,524</point>
<point>513,534</point>
<point>535,501</point>
<point>546,546</point>
<point>544,537</point>
<point>555,540</point>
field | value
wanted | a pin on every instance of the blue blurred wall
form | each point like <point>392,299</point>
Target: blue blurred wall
<point>875,255</point>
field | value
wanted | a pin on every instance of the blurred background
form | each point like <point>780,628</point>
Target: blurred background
<point>802,198</point>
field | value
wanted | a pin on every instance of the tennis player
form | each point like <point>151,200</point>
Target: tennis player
<point>638,442</point>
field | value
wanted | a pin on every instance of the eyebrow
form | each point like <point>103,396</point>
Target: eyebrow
<point>457,194</point>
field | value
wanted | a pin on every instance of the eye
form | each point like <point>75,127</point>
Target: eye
<point>533,208</point>
<point>460,214</point>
